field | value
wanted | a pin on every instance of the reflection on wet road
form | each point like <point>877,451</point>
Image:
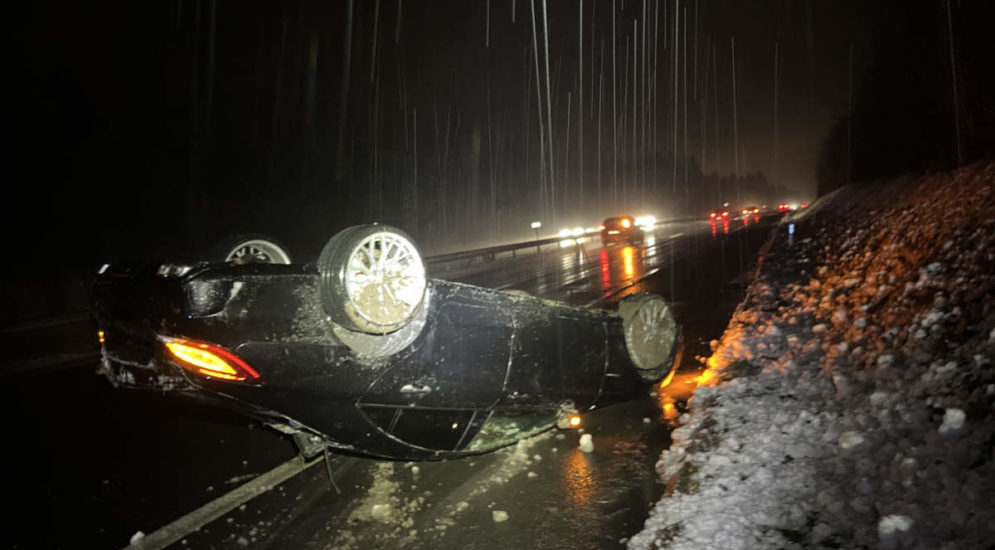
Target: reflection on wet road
<point>582,271</point>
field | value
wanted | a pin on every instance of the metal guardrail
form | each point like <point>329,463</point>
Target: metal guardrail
<point>466,257</point>
<point>490,253</point>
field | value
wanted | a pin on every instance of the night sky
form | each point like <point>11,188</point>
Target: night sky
<point>152,130</point>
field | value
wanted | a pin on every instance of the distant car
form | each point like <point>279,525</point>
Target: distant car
<point>362,352</point>
<point>718,215</point>
<point>622,229</point>
<point>750,211</point>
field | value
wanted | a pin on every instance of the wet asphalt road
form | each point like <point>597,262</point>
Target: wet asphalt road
<point>90,465</point>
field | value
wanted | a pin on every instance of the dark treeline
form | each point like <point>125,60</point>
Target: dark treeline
<point>925,100</point>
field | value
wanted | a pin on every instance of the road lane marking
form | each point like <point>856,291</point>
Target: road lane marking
<point>220,506</point>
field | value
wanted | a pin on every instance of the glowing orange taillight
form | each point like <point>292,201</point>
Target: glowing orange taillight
<point>100,336</point>
<point>574,421</point>
<point>208,360</point>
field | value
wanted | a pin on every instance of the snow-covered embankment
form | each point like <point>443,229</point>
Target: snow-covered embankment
<point>849,403</point>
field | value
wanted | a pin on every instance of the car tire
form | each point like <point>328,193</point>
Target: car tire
<point>652,335</point>
<point>251,248</point>
<point>372,279</point>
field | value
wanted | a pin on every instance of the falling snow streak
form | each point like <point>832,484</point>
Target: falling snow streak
<point>674,80</point>
<point>375,193</point>
<point>687,195</point>
<point>695,42</point>
<point>735,116</point>
<point>397,25</point>
<point>594,12</point>
<point>549,112</point>
<point>373,45</point>
<point>580,99</point>
<point>614,115</point>
<point>704,106</point>
<point>344,93</point>
<point>601,90</point>
<point>634,177</point>
<point>566,153</point>
<point>655,94</point>
<point>774,177</point>
<point>414,173</point>
<point>643,107</point>
<point>715,102</point>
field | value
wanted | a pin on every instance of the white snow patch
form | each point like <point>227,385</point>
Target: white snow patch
<point>953,422</point>
<point>893,523</point>
<point>850,439</point>
<point>586,443</point>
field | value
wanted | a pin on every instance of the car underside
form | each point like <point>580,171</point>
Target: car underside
<point>466,370</point>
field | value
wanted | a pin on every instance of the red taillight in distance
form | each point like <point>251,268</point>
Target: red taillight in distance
<point>209,360</point>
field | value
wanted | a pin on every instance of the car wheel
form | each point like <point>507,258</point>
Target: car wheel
<point>372,278</point>
<point>652,336</point>
<point>244,249</point>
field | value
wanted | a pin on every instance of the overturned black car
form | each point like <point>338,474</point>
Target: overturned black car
<point>362,352</point>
